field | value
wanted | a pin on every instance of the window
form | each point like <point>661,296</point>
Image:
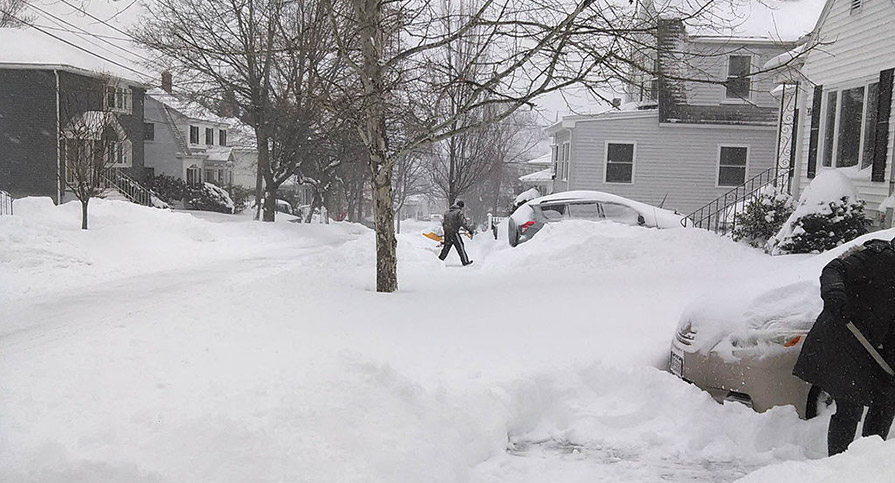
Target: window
<point>222,137</point>
<point>209,136</point>
<point>849,126</point>
<point>553,212</point>
<point>118,98</point>
<point>554,154</point>
<point>622,214</point>
<point>194,134</point>
<point>738,85</point>
<point>586,211</point>
<point>732,165</point>
<point>193,175</point>
<point>619,163</point>
<point>564,165</point>
<point>148,131</point>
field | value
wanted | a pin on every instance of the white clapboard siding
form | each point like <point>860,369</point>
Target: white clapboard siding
<point>856,47</point>
<point>680,161</point>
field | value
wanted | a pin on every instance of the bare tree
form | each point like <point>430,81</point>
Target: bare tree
<point>13,13</point>
<point>409,181</point>
<point>268,56</point>
<point>91,139</point>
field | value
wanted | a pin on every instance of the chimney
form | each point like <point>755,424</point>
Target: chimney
<point>167,83</point>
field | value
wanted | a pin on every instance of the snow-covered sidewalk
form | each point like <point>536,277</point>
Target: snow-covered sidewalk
<point>162,346</point>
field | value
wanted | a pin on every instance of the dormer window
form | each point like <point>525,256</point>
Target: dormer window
<point>738,84</point>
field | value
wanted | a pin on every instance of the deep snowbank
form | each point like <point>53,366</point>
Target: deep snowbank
<point>163,346</point>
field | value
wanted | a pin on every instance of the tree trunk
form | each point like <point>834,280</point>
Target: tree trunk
<point>386,242</point>
<point>270,204</point>
<point>84,213</point>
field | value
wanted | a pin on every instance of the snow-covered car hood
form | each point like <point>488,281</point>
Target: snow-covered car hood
<point>752,311</point>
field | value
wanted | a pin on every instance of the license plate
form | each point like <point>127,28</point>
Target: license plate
<point>676,364</point>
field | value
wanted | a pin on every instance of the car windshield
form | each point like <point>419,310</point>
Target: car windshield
<point>553,212</point>
<point>586,211</point>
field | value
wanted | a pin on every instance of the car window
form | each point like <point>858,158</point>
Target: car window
<point>553,212</point>
<point>622,214</point>
<point>586,211</point>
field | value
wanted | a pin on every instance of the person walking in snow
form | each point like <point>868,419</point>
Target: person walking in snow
<point>858,290</point>
<point>454,219</point>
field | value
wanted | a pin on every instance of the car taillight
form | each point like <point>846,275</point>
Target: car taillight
<point>526,226</point>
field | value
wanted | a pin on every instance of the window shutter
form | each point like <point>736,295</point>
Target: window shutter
<point>815,130</point>
<point>883,108</point>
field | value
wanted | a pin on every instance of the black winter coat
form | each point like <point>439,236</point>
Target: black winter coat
<point>831,356</point>
<point>454,219</point>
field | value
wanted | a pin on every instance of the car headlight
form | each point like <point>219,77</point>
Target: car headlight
<point>686,334</point>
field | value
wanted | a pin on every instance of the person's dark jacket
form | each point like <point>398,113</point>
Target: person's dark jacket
<point>858,287</point>
<point>454,219</point>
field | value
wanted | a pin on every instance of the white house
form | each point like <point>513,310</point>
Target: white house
<point>184,140</point>
<point>845,99</point>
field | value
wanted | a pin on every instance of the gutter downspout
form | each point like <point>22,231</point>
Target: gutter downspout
<point>59,173</point>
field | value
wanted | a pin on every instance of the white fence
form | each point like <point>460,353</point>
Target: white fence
<point>5,203</point>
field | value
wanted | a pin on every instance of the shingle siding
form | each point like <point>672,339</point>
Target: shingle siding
<point>28,160</point>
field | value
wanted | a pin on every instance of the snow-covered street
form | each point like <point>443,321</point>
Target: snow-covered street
<point>183,347</point>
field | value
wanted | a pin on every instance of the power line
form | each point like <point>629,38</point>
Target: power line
<point>128,35</point>
<point>84,31</point>
<point>35,27</point>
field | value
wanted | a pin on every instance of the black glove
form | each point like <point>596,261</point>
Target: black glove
<point>834,303</point>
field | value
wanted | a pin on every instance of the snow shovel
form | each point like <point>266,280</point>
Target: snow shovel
<point>870,349</point>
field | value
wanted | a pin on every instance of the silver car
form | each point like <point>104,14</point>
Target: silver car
<point>529,218</point>
<point>741,343</point>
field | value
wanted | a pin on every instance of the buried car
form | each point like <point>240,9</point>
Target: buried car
<point>530,217</point>
<point>741,343</point>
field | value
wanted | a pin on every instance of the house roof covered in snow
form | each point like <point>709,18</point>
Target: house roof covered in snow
<point>187,108</point>
<point>543,160</point>
<point>29,48</point>
<point>745,20</point>
<point>538,176</point>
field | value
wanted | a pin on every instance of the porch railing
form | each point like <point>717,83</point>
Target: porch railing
<point>720,214</point>
<point>5,203</point>
<point>127,186</point>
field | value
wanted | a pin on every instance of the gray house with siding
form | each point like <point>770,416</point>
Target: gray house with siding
<point>845,97</point>
<point>46,87</point>
<point>683,143</point>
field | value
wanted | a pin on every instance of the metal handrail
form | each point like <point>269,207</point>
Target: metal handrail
<point>127,186</point>
<point>719,215</point>
<point>5,203</point>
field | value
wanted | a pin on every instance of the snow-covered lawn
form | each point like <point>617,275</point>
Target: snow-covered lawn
<point>182,347</point>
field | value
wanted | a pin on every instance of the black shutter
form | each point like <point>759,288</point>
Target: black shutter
<point>883,108</point>
<point>815,130</point>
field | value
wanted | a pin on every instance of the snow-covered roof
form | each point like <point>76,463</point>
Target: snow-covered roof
<point>746,20</point>
<point>28,48</point>
<point>219,154</point>
<point>538,176</point>
<point>543,160</point>
<point>188,108</point>
<point>785,58</point>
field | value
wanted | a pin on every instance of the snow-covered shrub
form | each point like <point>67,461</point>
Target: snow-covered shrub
<point>209,197</point>
<point>829,214</point>
<point>816,232</point>
<point>169,189</point>
<point>763,217</point>
<point>242,197</point>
